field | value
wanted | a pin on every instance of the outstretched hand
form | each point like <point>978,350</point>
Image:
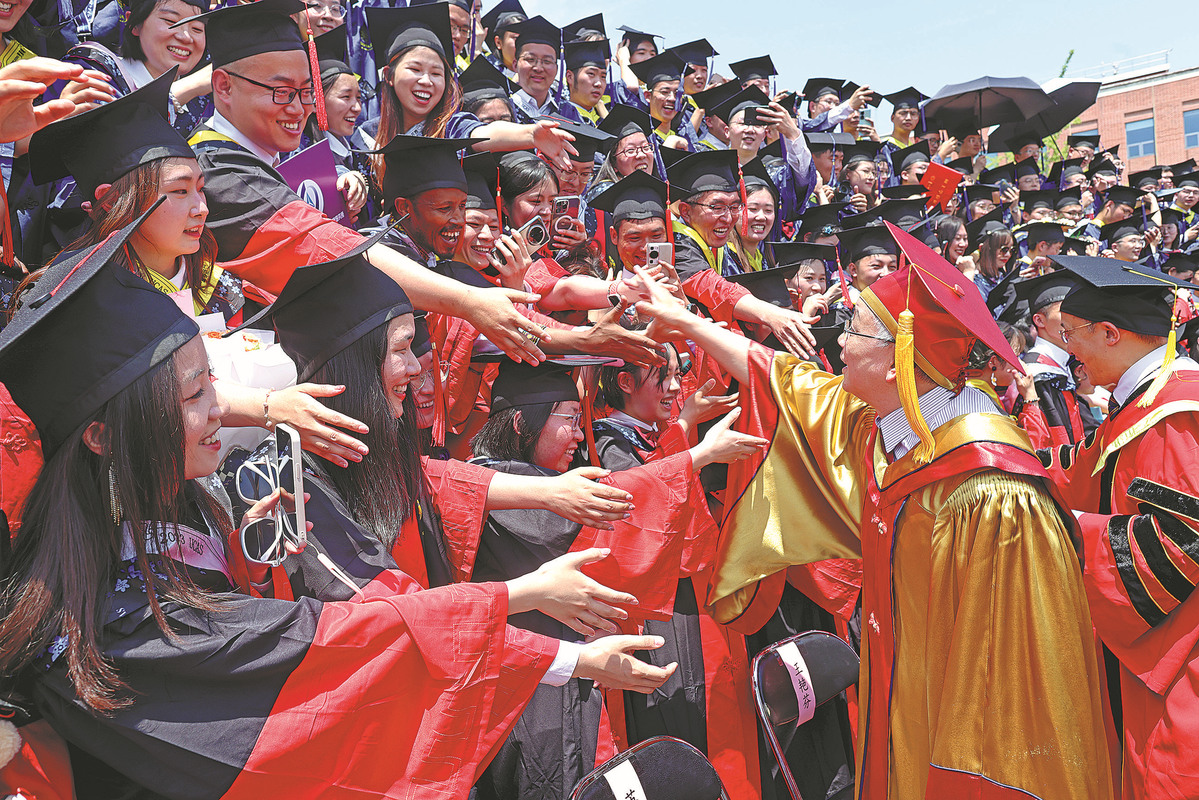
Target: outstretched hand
<point>25,81</point>
<point>559,589</point>
<point>579,497</point>
<point>610,662</point>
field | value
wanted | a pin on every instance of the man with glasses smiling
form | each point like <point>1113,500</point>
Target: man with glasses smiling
<point>709,207</point>
<point>538,48</point>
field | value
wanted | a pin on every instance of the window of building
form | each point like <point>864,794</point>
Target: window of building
<point>1190,127</point>
<point>1139,136</point>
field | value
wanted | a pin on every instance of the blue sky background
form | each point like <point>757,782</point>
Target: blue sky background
<point>891,45</point>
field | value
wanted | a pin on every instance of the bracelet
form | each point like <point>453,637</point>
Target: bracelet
<point>266,414</point>
<point>1030,402</point>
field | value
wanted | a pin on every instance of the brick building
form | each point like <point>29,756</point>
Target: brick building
<point>1152,113</point>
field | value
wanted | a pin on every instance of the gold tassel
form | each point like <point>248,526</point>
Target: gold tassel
<point>905,369</point>
<point>1167,361</point>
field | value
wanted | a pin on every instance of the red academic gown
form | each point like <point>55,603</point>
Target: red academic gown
<point>1137,481</point>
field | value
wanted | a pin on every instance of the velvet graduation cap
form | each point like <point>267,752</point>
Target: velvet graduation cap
<point>936,316</point>
<point>909,156</point>
<point>817,219</point>
<point>1090,140</point>
<point>770,284</point>
<point>623,121</point>
<point>326,307</point>
<point>817,88</point>
<point>580,54</point>
<point>713,96</point>
<point>1146,179</point>
<point>482,81</point>
<point>103,144</point>
<point>868,240</point>
<point>87,330</point>
<point>519,384</point>
<point>1131,297</point>
<point>635,38</point>
<point>694,53</point>
<point>240,31</point>
<point>1045,290</point>
<point>636,196</point>
<point>906,98</point>
<point>864,150</point>
<point>417,164</point>
<point>482,180</point>
<point>394,30</point>
<point>659,69</point>
<point>1046,231</point>
<point>988,224</point>
<point>753,69</point>
<point>585,27</point>
<point>331,50</point>
<point>749,97</point>
<point>538,30</point>
<point>503,16</point>
<point>705,171</point>
<point>588,141</point>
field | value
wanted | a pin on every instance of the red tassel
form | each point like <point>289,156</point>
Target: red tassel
<point>844,285</point>
<point>322,116</point>
<point>499,204</point>
<point>9,257</point>
<point>439,407</point>
<point>588,427</point>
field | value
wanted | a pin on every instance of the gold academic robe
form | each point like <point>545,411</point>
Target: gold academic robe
<point>979,677</point>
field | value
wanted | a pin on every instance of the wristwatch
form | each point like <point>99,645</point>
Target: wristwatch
<point>613,295</point>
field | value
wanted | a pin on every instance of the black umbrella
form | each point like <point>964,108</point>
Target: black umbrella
<point>1068,102</point>
<point>986,101</point>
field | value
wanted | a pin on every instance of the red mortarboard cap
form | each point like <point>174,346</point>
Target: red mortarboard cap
<point>949,312</point>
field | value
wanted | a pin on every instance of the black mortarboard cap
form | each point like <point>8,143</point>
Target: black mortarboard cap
<point>1103,165</point>
<point>756,68</point>
<point>906,212</point>
<point>705,171</point>
<point>462,4</point>
<point>713,96</point>
<point>1131,297</point>
<point>750,97</point>
<point>588,139</point>
<point>818,142</point>
<point>503,16</point>
<point>587,26</point>
<point>1186,179</point>
<point>1177,216</point>
<point>637,196</point>
<point>768,284</point>
<point>482,81</point>
<point>519,384</point>
<point>912,154</point>
<point>903,191</point>
<point>482,178</point>
<point>1114,231</point>
<point>981,227</point>
<point>1026,167</point>
<point>661,68</point>
<point>1181,261</point>
<point>1044,231</point>
<point>815,218</point>
<point>870,240</point>
<point>394,30</point>
<point>1067,197</point>
<point>961,131</point>
<point>1123,195</point>
<point>1060,170</point>
<point>625,120</point>
<point>868,217</point>
<point>1145,179</point>
<point>240,31</point>
<point>696,52</point>
<point>1004,172</point>
<point>101,145</point>
<point>86,331</point>
<point>1017,142</point>
<point>331,49</point>
<point>794,254</point>
<point>635,37</point>
<point>772,154</point>
<point>324,308</point>
<point>1045,290</point>
<point>1041,198</point>
<point>418,164</point>
<point>1075,139</point>
<point>979,191</point>
<point>816,88</point>
<point>422,343</point>
<point>850,87</point>
<point>538,30</point>
<point>1074,247</point>
<point>862,150</point>
<point>756,176</point>
<point>586,54</point>
<point>964,165</point>
<point>1182,167</point>
<point>906,98</point>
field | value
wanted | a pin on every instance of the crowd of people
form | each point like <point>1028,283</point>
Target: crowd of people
<point>602,374</point>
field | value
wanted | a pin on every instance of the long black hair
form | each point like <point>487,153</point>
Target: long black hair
<point>67,555</point>
<point>382,490</point>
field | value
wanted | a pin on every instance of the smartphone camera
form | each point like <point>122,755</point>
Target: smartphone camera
<point>536,234</point>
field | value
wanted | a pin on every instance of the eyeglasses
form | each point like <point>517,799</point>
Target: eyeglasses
<point>283,95</point>
<point>547,62</point>
<point>720,209</point>
<point>332,9</point>
<point>1007,248</point>
<point>1066,331</point>
<point>641,150</point>
<point>575,419</point>
<point>850,332</point>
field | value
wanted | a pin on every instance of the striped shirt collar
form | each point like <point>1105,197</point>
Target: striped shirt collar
<point>938,406</point>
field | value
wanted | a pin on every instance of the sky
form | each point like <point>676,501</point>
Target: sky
<point>946,43</point>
